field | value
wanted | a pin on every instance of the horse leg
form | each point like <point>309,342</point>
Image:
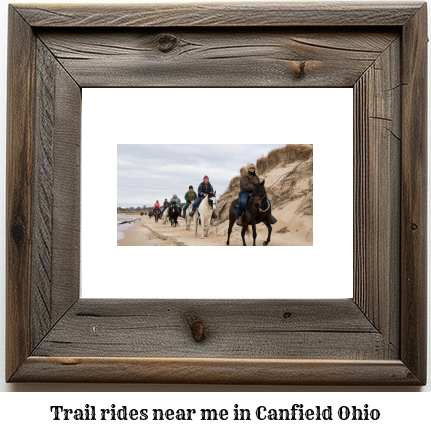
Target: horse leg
<point>253,226</point>
<point>268,224</point>
<point>244,228</point>
<point>206,226</point>
<point>229,231</point>
<point>203,227</point>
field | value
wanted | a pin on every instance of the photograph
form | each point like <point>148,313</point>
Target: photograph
<point>256,194</point>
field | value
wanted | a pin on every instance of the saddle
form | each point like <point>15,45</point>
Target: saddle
<point>272,219</point>
<point>199,204</point>
<point>250,196</point>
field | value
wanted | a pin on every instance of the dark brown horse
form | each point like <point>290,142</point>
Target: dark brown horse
<point>157,212</point>
<point>257,210</point>
<point>174,212</point>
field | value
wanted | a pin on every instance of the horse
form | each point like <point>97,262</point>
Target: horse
<point>174,213</point>
<point>157,214</point>
<point>204,213</point>
<point>150,214</point>
<point>257,210</point>
<point>189,218</point>
<point>165,216</point>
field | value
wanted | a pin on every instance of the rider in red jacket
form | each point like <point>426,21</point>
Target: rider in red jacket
<point>157,205</point>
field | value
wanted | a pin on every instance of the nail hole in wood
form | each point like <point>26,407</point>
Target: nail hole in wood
<point>287,314</point>
<point>414,226</point>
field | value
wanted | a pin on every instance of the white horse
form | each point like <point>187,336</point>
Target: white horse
<point>165,216</point>
<point>204,212</point>
<point>188,217</point>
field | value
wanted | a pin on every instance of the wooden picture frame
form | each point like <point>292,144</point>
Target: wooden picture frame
<point>378,337</point>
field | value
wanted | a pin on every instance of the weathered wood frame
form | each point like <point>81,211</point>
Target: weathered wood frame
<point>378,337</point>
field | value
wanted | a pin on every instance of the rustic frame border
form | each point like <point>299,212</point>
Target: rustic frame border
<point>379,337</point>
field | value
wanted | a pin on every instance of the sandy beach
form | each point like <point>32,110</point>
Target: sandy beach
<point>146,232</point>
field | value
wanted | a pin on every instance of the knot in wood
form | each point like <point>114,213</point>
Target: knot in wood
<point>287,314</point>
<point>167,42</point>
<point>197,327</point>
<point>299,68</point>
<point>18,233</point>
<point>414,226</point>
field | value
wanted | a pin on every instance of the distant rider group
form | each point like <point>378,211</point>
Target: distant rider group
<point>204,189</point>
<point>247,183</point>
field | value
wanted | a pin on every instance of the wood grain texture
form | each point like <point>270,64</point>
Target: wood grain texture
<point>20,193</point>
<point>234,329</point>
<point>216,58</point>
<point>55,278</point>
<point>44,194</point>
<point>378,338</point>
<point>215,371</point>
<point>67,194</point>
<point>414,195</point>
<point>220,15</point>
<point>377,99</point>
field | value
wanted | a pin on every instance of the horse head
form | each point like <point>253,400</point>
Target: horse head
<point>212,200</point>
<point>259,194</point>
<point>173,208</point>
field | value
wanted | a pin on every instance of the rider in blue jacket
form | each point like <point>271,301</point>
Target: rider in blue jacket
<point>204,188</point>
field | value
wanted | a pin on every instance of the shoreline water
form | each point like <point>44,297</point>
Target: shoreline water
<point>122,226</point>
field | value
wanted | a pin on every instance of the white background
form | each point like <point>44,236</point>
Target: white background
<point>405,409</point>
<point>321,117</point>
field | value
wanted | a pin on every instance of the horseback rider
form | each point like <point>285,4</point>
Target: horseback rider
<point>189,197</point>
<point>156,205</point>
<point>204,188</point>
<point>165,205</point>
<point>246,186</point>
<point>176,200</point>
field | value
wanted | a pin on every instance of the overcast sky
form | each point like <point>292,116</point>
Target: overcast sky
<point>146,173</point>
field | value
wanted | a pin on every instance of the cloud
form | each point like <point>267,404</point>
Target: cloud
<point>150,172</point>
